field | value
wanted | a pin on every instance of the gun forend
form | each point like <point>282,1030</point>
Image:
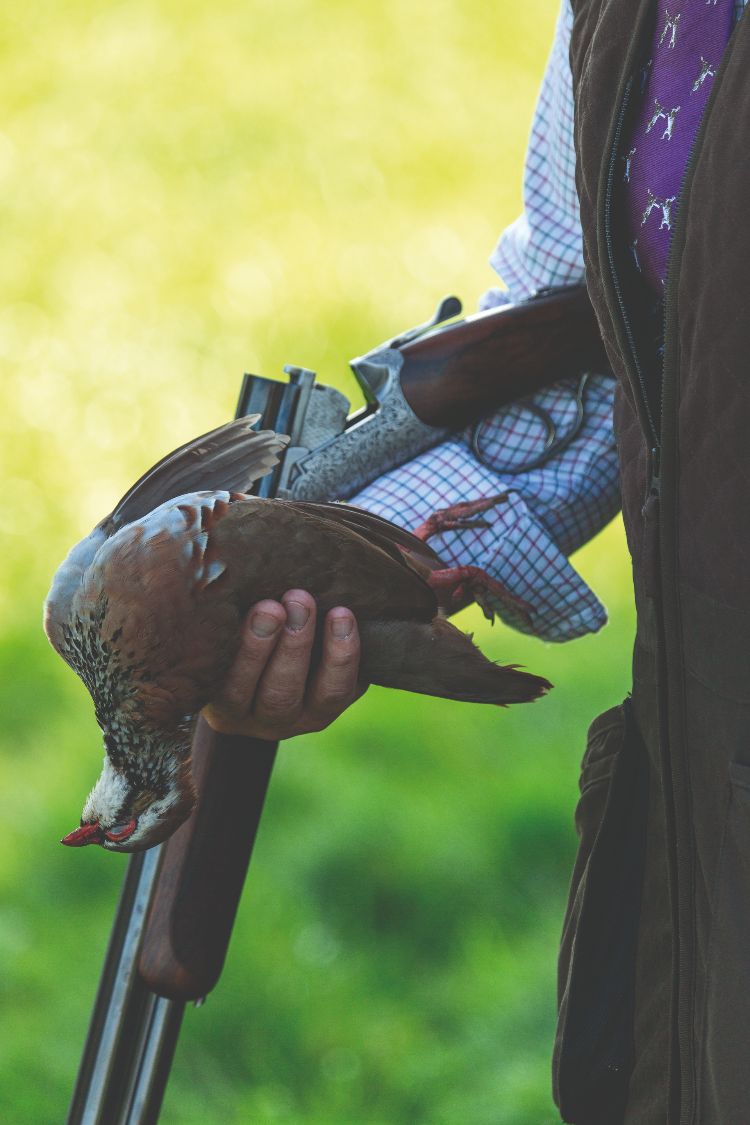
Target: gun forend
<point>204,867</point>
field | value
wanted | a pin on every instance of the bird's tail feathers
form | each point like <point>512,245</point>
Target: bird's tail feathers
<point>436,658</point>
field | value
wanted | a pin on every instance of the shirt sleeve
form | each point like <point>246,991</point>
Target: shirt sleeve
<point>557,504</point>
<point>544,246</point>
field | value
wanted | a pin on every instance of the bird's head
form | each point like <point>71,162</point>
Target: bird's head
<point>130,810</point>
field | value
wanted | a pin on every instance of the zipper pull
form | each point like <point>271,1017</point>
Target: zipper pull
<point>653,492</point>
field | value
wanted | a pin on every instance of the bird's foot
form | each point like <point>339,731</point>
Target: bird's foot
<point>458,516</point>
<point>457,585</point>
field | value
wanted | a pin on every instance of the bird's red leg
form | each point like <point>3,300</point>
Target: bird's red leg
<point>455,582</point>
<point>458,516</point>
<point>459,585</point>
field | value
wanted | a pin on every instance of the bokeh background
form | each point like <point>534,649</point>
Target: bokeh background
<point>189,191</point>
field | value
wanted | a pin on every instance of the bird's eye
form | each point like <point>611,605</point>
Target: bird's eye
<point>121,831</point>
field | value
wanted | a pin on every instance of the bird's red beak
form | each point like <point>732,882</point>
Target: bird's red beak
<point>86,834</point>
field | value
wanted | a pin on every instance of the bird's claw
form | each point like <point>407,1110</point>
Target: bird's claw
<point>457,583</point>
<point>458,516</point>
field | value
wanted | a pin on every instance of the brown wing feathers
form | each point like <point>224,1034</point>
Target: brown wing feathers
<point>230,457</point>
<point>271,546</point>
<point>386,534</point>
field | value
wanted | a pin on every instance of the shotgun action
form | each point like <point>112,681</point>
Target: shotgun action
<point>434,379</point>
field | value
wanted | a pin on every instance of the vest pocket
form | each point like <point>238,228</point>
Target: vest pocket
<point>724,1085</point>
<point>593,1053</point>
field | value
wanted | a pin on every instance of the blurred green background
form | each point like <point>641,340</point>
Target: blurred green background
<point>189,191</point>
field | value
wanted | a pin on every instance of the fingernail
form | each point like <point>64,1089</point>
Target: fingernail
<point>342,627</point>
<point>297,616</point>
<point>264,624</point>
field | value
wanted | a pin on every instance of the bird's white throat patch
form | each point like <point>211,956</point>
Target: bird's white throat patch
<point>106,799</point>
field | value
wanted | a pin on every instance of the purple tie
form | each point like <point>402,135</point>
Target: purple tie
<point>687,47</point>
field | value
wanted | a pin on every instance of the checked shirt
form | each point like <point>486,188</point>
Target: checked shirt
<point>554,509</point>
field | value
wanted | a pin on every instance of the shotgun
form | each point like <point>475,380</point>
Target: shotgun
<point>178,902</point>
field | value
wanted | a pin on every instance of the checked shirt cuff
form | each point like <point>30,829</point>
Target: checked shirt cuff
<point>550,511</point>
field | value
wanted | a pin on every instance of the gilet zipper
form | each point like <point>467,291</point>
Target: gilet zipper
<point>652,577</point>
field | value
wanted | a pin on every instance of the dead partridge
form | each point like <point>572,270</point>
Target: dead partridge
<point>147,610</point>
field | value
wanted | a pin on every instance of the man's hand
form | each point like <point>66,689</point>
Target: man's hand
<point>269,692</point>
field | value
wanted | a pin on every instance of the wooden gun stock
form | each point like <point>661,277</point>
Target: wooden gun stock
<point>456,375</point>
<point>204,867</point>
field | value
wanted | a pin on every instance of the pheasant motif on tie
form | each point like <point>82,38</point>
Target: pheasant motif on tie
<point>687,46</point>
<point>147,610</point>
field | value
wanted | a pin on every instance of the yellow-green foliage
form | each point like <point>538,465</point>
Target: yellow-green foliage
<point>191,190</point>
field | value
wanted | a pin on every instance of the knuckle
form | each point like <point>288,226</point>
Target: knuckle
<point>279,702</point>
